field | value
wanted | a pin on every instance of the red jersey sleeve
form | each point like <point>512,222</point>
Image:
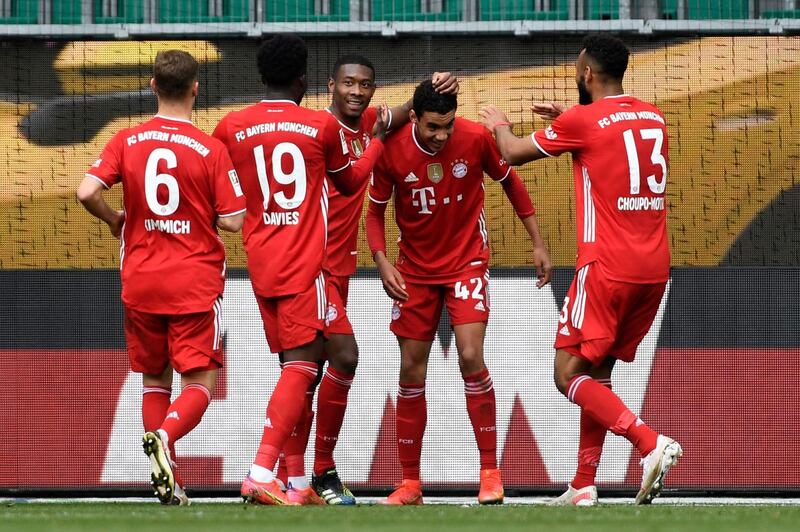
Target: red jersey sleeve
<point>228,196</point>
<point>108,168</point>
<point>493,163</point>
<point>566,134</point>
<point>368,119</point>
<point>381,186</point>
<point>221,131</point>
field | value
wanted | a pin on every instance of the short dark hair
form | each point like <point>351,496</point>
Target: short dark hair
<point>175,72</point>
<point>282,58</point>
<point>426,99</point>
<point>352,59</point>
<point>609,53</point>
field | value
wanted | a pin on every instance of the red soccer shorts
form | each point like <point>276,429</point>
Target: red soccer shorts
<point>336,320</point>
<point>294,320</point>
<point>467,301</point>
<point>190,342</point>
<point>602,317</point>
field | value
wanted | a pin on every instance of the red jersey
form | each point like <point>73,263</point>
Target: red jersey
<point>438,200</point>
<point>282,152</point>
<point>620,156</point>
<point>344,212</point>
<point>176,181</point>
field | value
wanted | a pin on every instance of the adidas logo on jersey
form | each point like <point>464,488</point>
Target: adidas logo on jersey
<point>479,306</point>
<point>564,330</point>
<point>411,178</point>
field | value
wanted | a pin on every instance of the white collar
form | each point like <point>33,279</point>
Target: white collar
<point>348,128</point>
<point>281,101</point>
<point>173,118</point>
<point>414,136</point>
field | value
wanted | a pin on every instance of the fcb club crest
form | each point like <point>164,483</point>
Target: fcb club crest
<point>357,148</point>
<point>459,168</point>
<point>435,172</point>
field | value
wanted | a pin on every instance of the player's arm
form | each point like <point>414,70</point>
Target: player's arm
<point>498,169</point>
<point>348,178</point>
<point>380,193</point>
<point>515,150</point>
<point>375,223</point>
<point>229,200</point>
<point>443,82</point>
<point>90,194</point>
<point>103,174</point>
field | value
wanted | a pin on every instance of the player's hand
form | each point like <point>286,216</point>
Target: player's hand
<point>393,282</point>
<point>116,224</point>
<point>548,111</point>
<point>492,117</point>
<point>543,264</point>
<point>382,122</point>
<point>445,83</point>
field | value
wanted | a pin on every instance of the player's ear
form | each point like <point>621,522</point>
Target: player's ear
<point>195,89</point>
<point>413,116</point>
<point>331,83</point>
<point>153,86</point>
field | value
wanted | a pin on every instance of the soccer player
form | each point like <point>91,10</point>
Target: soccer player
<point>352,85</point>
<point>434,168</point>
<point>178,184</point>
<point>620,158</point>
<point>283,152</point>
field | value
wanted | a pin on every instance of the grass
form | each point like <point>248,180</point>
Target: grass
<point>438,518</point>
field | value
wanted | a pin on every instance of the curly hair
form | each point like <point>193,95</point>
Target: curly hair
<point>282,59</point>
<point>352,59</point>
<point>426,99</point>
<point>609,53</point>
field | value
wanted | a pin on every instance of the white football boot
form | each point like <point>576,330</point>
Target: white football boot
<point>583,497</point>
<point>656,465</point>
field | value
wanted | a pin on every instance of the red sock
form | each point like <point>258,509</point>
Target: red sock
<point>295,447</point>
<point>412,415</point>
<point>283,473</point>
<point>155,403</point>
<point>482,413</point>
<point>186,412</point>
<point>331,406</point>
<point>608,409</point>
<point>285,406</point>
<point>590,447</point>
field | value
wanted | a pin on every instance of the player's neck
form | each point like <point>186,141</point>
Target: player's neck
<point>282,94</point>
<point>608,90</point>
<point>181,110</point>
<point>353,122</point>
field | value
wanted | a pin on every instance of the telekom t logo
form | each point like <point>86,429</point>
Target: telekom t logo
<point>424,194</point>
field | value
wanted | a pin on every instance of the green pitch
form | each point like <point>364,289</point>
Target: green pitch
<point>139,517</point>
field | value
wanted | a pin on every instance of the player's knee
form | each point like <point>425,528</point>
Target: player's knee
<point>470,360</point>
<point>413,372</point>
<point>346,361</point>
<point>562,379</point>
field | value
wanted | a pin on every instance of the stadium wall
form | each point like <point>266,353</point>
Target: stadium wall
<point>718,371</point>
<point>712,373</point>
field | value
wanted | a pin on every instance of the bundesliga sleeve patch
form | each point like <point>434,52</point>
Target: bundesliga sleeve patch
<point>237,187</point>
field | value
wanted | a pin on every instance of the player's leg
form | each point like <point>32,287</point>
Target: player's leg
<point>293,325</point>
<point>299,490</point>
<point>342,353</point>
<point>481,407</point>
<point>597,321</point>
<point>414,323</point>
<point>148,352</point>
<point>582,490</point>
<point>412,416</point>
<point>468,304</point>
<point>196,353</point>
